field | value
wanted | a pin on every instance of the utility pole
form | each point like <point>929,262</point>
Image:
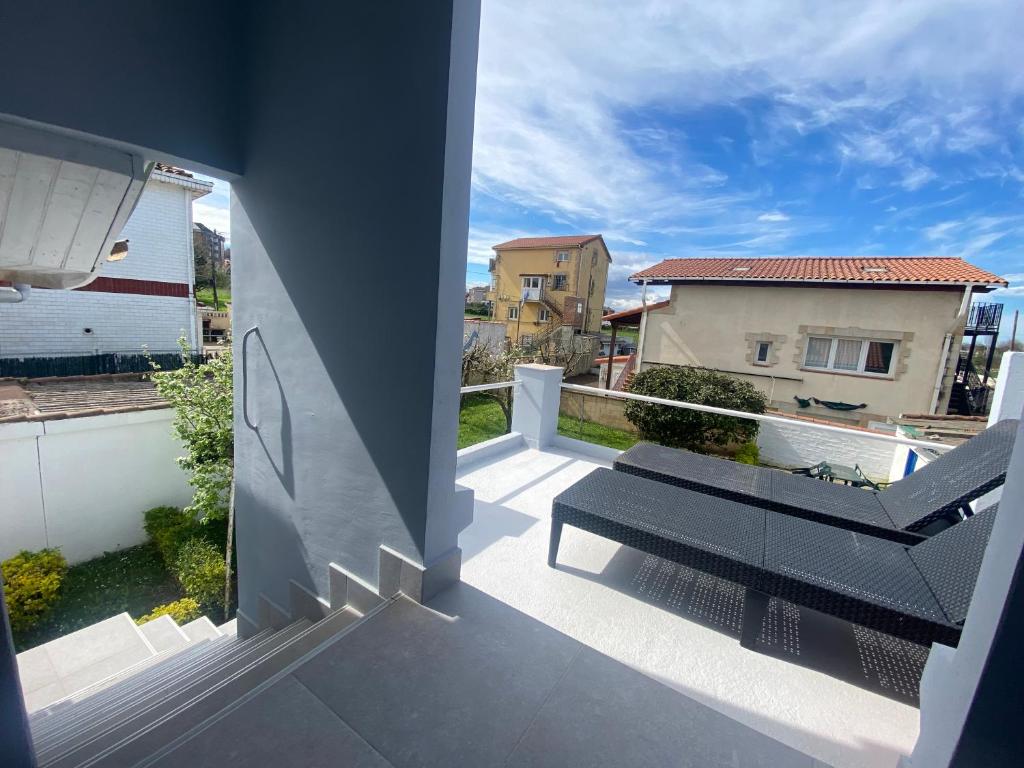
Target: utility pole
<point>1013,332</point>
<point>213,268</point>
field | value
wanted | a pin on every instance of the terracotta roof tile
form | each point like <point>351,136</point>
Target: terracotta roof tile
<point>560,241</point>
<point>888,269</point>
<point>173,170</point>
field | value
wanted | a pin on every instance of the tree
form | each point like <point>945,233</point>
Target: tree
<point>203,401</point>
<point>484,365</point>
<point>685,428</point>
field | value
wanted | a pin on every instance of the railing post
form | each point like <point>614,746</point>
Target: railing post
<point>535,408</point>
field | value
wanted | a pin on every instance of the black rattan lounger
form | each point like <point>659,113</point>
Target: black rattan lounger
<point>921,504</point>
<point>919,593</point>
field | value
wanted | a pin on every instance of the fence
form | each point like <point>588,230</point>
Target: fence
<point>92,364</point>
<point>82,484</point>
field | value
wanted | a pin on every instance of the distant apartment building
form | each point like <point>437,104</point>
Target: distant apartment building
<point>853,339</point>
<point>209,250</point>
<point>142,299</point>
<point>477,294</point>
<point>542,283</point>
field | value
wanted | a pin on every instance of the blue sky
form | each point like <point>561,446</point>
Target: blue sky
<point>752,129</point>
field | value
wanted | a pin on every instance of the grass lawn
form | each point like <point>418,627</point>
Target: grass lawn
<point>481,419</point>
<point>205,295</point>
<point>592,432</point>
<point>133,580</point>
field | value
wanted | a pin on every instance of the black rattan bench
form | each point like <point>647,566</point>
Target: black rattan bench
<point>919,505</point>
<point>919,593</point>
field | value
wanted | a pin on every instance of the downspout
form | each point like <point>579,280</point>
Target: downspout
<point>643,327</point>
<point>947,341</point>
<point>14,294</point>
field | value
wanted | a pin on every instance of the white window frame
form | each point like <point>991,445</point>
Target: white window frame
<point>528,279</point>
<point>543,315</point>
<point>513,312</point>
<point>767,345</point>
<point>562,256</point>
<point>829,366</point>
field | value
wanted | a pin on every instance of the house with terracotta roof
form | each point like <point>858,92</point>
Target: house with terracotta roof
<point>539,284</point>
<point>851,339</point>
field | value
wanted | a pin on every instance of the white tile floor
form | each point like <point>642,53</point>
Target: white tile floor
<point>595,596</point>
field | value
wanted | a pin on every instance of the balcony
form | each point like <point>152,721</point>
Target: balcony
<point>984,318</point>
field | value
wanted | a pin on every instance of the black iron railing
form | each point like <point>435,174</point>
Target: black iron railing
<point>985,317</point>
<point>974,393</point>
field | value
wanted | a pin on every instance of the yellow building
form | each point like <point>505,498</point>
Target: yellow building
<point>541,283</point>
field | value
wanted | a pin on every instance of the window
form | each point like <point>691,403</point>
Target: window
<point>543,316</point>
<point>850,355</point>
<point>593,258</point>
<point>562,256</point>
<point>513,313</point>
<point>561,283</point>
<point>526,340</point>
<point>761,351</point>
<point>532,281</point>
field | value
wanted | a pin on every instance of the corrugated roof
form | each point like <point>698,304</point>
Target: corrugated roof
<point>72,396</point>
<point>882,269</point>
<point>634,313</point>
<point>558,241</point>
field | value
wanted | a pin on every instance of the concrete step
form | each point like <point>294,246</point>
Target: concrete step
<point>91,715</point>
<point>126,718</point>
<point>142,743</point>
<point>60,667</point>
<point>201,628</point>
<point>175,667</point>
<point>164,634</point>
<point>228,628</point>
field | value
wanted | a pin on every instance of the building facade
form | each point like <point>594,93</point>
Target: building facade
<point>883,334</point>
<point>542,283</point>
<point>143,299</point>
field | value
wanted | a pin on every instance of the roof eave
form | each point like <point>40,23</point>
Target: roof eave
<point>661,280</point>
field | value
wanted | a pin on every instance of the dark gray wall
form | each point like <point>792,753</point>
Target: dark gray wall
<point>156,75</point>
<point>345,126</point>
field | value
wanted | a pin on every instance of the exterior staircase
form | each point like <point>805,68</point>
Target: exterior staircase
<point>190,675</point>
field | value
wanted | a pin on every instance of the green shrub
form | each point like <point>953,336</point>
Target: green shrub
<point>182,611</point>
<point>169,528</point>
<point>32,585</point>
<point>748,454</point>
<point>200,570</point>
<point>685,428</point>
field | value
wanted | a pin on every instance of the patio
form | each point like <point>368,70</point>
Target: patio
<point>839,693</point>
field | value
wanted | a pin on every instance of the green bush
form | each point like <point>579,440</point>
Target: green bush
<point>169,528</point>
<point>32,585</point>
<point>182,611</point>
<point>200,570</point>
<point>685,428</point>
<point>748,454</point>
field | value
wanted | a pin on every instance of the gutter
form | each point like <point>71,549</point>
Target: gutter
<point>14,294</point>
<point>811,281</point>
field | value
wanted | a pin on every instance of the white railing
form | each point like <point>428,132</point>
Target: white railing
<point>763,417</point>
<point>485,387</point>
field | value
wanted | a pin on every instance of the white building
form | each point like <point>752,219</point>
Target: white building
<point>143,299</point>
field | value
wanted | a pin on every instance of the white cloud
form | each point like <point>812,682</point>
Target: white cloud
<point>773,216</point>
<point>215,216</point>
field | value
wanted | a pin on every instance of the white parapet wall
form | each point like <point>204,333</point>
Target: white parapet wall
<point>82,484</point>
<point>803,446</point>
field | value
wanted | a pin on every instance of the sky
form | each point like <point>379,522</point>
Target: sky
<point>682,129</point>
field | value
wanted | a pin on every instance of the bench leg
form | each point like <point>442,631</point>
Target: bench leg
<point>755,608</point>
<point>556,536</point>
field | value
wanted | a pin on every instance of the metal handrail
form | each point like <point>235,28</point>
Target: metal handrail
<point>765,417</point>
<point>485,387</point>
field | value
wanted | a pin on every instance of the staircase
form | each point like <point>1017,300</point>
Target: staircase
<point>556,309</point>
<point>195,672</point>
<point>969,395</point>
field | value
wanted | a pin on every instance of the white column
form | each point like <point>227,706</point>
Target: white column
<point>1008,399</point>
<point>535,408</point>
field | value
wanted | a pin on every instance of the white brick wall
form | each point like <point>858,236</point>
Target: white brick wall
<point>801,446</point>
<point>52,322</point>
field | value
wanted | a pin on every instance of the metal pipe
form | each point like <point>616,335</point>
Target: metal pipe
<point>643,327</point>
<point>485,387</point>
<point>768,418</point>
<point>14,294</point>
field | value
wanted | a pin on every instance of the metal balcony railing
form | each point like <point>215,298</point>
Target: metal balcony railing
<point>985,317</point>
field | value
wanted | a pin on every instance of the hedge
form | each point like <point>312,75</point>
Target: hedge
<point>192,551</point>
<point>32,585</point>
<point>182,611</point>
<point>199,568</point>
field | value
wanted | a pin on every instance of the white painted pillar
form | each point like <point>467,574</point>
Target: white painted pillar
<point>535,408</point>
<point>1008,399</point>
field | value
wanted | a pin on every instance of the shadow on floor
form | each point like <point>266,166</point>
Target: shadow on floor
<point>877,662</point>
